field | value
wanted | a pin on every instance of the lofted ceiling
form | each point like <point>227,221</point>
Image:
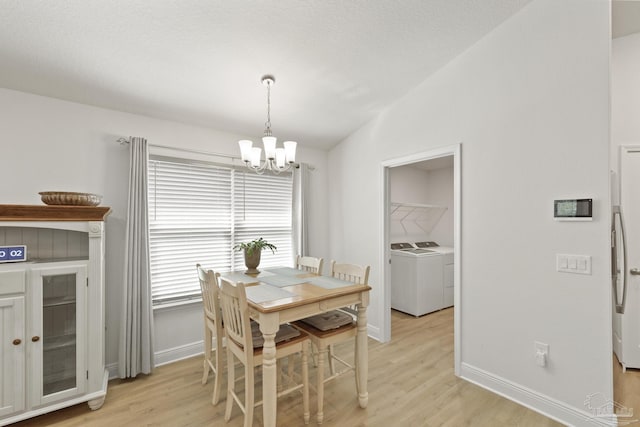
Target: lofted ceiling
<point>625,15</point>
<point>337,63</point>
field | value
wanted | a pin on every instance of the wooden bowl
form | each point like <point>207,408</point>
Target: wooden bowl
<point>70,198</point>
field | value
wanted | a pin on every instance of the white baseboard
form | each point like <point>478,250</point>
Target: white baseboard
<point>166,356</point>
<point>373,332</point>
<point>533,400</point>
<point>175,354</point>
<point>178,353</point>
<point>113,370</point>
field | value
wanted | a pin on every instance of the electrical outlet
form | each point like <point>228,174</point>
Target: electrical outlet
<point>541,353</point>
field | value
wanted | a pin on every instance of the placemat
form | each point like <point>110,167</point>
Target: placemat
<point>328,282</point>
<point>240,277</point>
<point>263,293</point>
<point>285,271</point>
<point>281,281</point>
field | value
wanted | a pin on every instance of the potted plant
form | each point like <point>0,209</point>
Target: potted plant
<point>252,251</point>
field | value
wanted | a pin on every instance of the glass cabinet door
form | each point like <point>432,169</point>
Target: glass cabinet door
<point>57,330</point>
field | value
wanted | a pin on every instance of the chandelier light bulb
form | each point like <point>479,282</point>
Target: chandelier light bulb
<point>269,146</point>
<point>280,158</point>
<point>290,151</point>
<point>245,149</point>
<point>255,156</point>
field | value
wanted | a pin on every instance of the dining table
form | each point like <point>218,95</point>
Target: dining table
<point>280,295</point>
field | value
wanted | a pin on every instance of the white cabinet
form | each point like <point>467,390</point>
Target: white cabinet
<point>12,345</point>
<point>52,311</point>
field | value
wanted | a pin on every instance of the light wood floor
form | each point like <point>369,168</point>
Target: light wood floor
<point>411,383</point>
<point>626,387</point>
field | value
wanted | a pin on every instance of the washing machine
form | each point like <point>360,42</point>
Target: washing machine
<point>417,278</point>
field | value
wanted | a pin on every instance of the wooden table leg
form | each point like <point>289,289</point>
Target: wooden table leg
<point>362,357</point>
<point>269,325</point>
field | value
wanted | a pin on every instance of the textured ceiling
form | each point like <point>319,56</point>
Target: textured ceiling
<point>337,63</point>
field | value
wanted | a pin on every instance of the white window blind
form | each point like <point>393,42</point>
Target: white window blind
<point>199,211</point>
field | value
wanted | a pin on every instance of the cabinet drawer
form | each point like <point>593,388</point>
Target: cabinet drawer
<point>12,282</point>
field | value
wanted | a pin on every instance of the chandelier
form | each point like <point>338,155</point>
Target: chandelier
<point>277,159</point>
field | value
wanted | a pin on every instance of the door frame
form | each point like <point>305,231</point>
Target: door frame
<point>385,254</point>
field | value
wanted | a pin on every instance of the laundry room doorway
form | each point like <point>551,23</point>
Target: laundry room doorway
<point>421,250</point>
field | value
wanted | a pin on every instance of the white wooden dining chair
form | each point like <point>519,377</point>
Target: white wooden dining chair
<point>213,328</point>
<point>309,264</point>
<point>334,327</point>
<point>241,344</point>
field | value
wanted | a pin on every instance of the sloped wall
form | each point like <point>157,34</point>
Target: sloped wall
<point>530,105</point>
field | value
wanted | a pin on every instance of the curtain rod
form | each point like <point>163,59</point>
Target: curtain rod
<point>123,141</point>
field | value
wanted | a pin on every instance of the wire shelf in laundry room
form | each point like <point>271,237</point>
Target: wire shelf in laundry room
<point>416,217</point>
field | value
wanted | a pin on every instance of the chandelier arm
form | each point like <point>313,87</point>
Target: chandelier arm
<point>285,168</point>
<point>263,167</point>
<point>270,165</point>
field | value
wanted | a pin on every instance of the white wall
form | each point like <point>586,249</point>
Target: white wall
<point>409,184</point>
<point>529,103</point>
<point>625,92</point>
<point>440,187</point>
<point>48,144</point>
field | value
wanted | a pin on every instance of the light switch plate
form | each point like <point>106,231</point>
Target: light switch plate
<point>578,264</point>
<point>563,262</point>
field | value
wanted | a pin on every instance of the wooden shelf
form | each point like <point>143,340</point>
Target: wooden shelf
<point>53,213</point>
<point>58,301</point>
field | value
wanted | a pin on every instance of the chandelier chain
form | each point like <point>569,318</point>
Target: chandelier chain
<point>267,130</point>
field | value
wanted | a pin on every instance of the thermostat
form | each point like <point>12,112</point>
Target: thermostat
<point>573,210</point>
<point>13,253</point>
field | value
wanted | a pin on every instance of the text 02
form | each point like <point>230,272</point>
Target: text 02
<point>13,253</point>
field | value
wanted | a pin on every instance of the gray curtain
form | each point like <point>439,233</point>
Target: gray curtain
<point>299,211</point>
<point>136,331</point>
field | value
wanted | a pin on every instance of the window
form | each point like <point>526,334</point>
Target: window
<point>198,211</point>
